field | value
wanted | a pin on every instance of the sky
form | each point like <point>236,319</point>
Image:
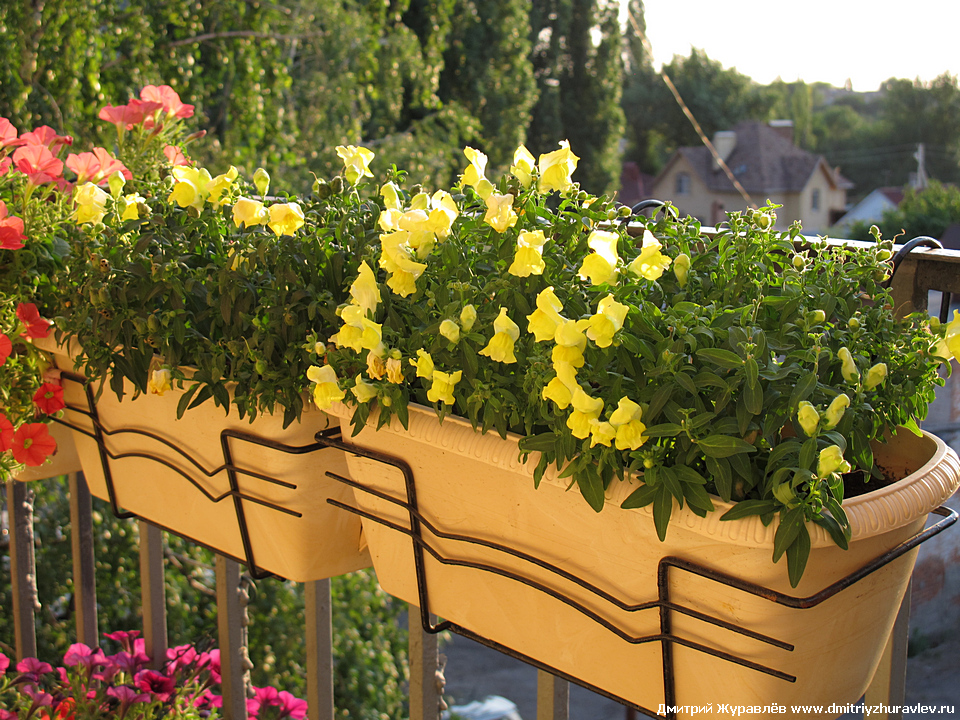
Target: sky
<point>867,41</point>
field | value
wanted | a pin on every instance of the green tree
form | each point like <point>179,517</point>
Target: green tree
<point>487,70</point>
<point>927,212</point>
<point>577,61</point>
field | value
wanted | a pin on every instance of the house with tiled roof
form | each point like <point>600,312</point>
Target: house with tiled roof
<point>872,207</point>
<point>766,163</point>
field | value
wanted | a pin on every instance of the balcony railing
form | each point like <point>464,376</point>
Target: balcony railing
<point>920,270</point>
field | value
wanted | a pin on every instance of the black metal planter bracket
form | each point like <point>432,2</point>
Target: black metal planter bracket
<point>228,440</point>
<point>418,522</point>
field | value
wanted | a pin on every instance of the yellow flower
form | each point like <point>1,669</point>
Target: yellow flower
<point>359,332</point>
<point>450,330</point>
<point>424,364</point>
<point>261,180</point>
<point>391,196</point>
<point>607,321</point>
<point>326,389</point>
<point>808,417</point>
<point>221,184</point>
<point>443,211</point>
<point>376,367</point>
<point>442,388</point>
<point>249,212</point>
<point>500,347</point>
<point>91,204</point>
<point>395,259</point>
<point>571,355</point>
<point>556,168</point>
<point>364,290</point>
<point>500,214</point>
<point>681,268</point>
<point>875,376</point>
<point>544,321</point>
<point>600,266</point>
<point>286,218</point>
<point>523,165</point>
<point>830,461</point>
<point>468,316</point>
<point>529,258</point>
<point>848,368</point>
<point>394,368</point>
<point>626,420</point>
<point>475,171</point>
<point>952,335</point>
<point>835,410</point>
<point>586,411</point>
<point>561,388</point>
<point>650,263</point>
<point>159,381</point>
<point>602,433</point>
<point>190,190</point>
<point>356,162</point>
<point>131,206</point>
<point>362,390</point>
<point>390,220</point>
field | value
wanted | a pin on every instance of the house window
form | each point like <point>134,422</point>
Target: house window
<point>815,200</point>
<point>683,183</point>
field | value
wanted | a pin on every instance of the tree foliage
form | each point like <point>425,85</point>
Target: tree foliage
<point>926,212</point>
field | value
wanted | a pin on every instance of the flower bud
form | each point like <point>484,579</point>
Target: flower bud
<point>875,376</point>
<point>815,317</point>
<point>261,178</point>
<point>798,262</point>
<point>848,368</point>
<point>854,323</point>
<point>808,417</point>
<point>765,220</point>
<point>450,330</point>
<point>831,461</point>
<point>116,183</point>
<point>468,316</point>
<point>681,268</point>
<point>835,410</point>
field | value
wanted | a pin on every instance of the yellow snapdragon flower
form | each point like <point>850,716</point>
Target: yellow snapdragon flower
<point>474,174</point>
<point>571,341</point>
<point>159,381</point>
<point>626,420</point>
<point>544,321</point>
<point>249,212</point>
<point>91,204</point>
<point>650,263</point>
<point>468,316</point>
<point>808,417</point>
<point>362,390</point>
<point>830,461</point>
<point>835,410</point>
<point>586,411</point>
<point>450,330</point>
<point>607,321</point>
<point>875,376</point>
<point>600,266</point>
<point>561,388</point>
<point>424,364</point>
<point>529,258</point>
<point>365,291</point>
<point>523,166</point>
<point>326,389</point>
<point>506,332</point>
<point>396,259</point>
<point>356,162</point>
<point>190,189</point>
<point>285,218</point>
<point>441,390</point>
<point>848,368</point>
<point>500,214</point>
<point>131,206</point>
<point>556,168</point>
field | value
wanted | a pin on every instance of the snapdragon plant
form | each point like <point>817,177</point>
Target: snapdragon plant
<point>745,365</point>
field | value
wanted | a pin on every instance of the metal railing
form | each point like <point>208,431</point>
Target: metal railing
<point>920,270</point>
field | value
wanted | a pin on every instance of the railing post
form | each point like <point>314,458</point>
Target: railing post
<point>84,562</point>
<point>23,571</point>
<point>426,681</point>
<point>153,594</point>
<point>231,627</point>
<point>889,684</point>
<point>319,617</point>
<point>553,697</point>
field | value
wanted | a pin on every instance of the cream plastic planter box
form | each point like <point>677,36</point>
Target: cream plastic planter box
<point>322,542</point>
<point>474,485</point>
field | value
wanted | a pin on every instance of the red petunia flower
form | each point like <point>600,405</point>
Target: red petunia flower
<point>36,326</point>
<point>123,116</point>
<point>38,164</point>
<point>6,347</point>
<point>175,155</point>
<point>6,433</point>
<point>32,444</point>
<point>8,134</point>
<point>47,137</point>
<point>49,398</point>
<point>109,165</point>
<point>85,165</point>
<point>168,99</point>
<point>11,230</point>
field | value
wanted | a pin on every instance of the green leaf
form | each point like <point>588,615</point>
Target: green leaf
<point>662,509</point>
<point>641,497</point>
<point>660,398</point>
<point>663,430</point>
<point>721,446</point>
<point>721,357</point>
<point>591,486</point>
<point>672,482</point>
<point>697,497</point>
<point>688,475</point>
<point>746,508</point>
<point>911,425</point>
<point>833,527</point>
<point>753,398</point>
<point>808,454</point>
<point>789,528</point>
<point>185,400</point>
<point>797,554</point>
<point>538,443</point>
<point>684,381</point>
<point>752,371</point>
<point>719,470</point>
<point>804,387</point>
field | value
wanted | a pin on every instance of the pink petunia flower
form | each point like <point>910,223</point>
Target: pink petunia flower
<point>47,137</point>
<point>168,98</point>
<point>109,165</point>
<point>124,637</point>
<point>84,655</point>
<point>4,660</point>
<point>175,156</point>
<point>11,230</point>
<point>32,666</point>
<point>158,685</point>
<point>8,134</point>
<point>37,163</point>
